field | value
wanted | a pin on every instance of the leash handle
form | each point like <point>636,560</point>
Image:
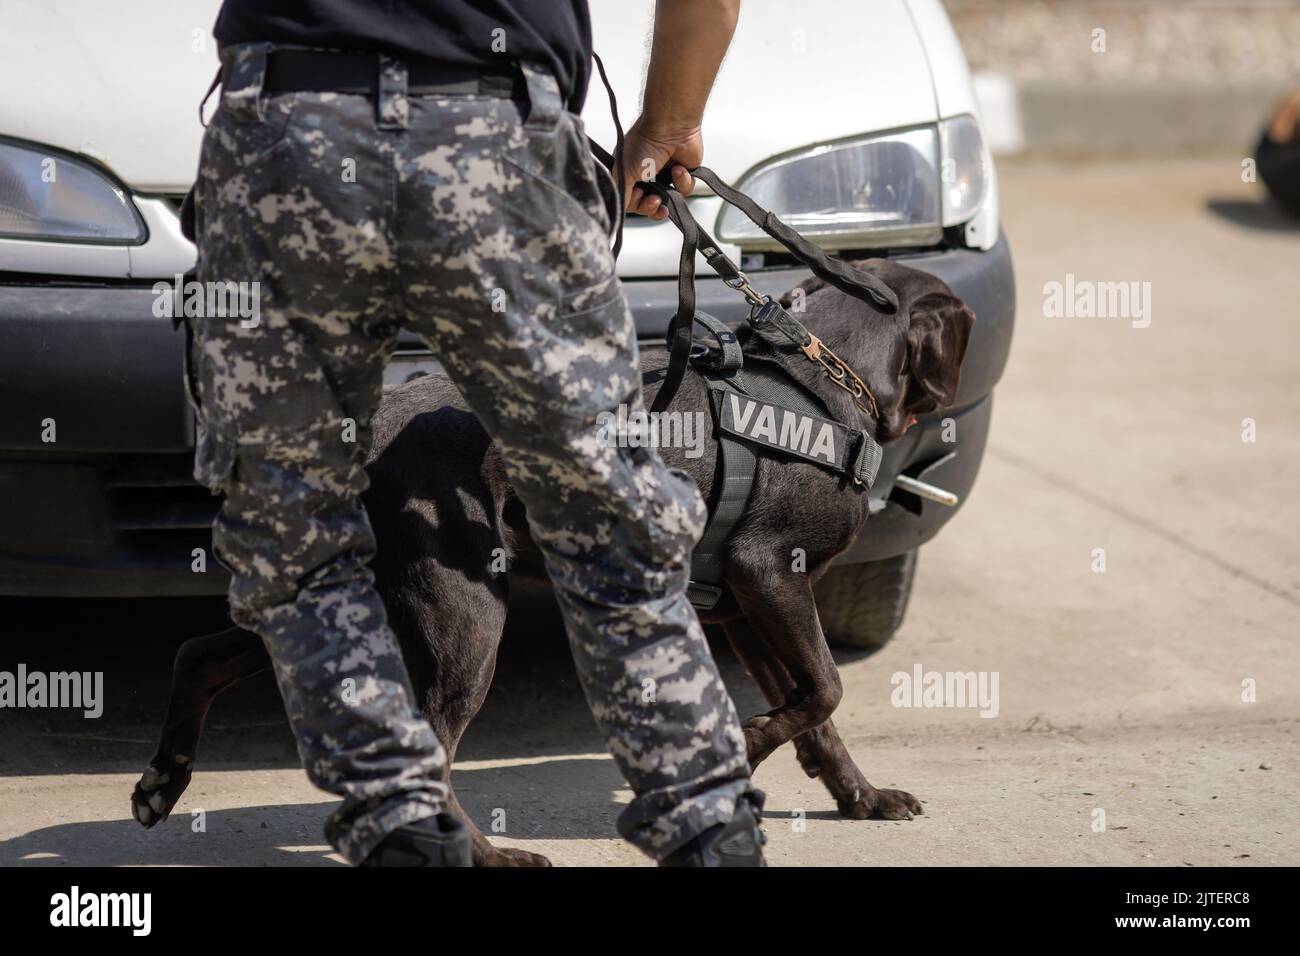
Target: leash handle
<point>847,278</point>
<point>843,275</point>
<point>680,329</point>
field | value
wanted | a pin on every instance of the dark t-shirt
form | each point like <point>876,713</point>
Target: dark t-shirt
<point>461,32</point>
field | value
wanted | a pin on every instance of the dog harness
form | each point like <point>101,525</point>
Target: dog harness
<point>761,405</point>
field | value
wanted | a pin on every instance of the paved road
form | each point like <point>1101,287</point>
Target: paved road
<point>1120,691</point>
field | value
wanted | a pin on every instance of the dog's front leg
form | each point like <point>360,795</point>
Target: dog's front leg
<point>821,752</point>
<point>205,666</point>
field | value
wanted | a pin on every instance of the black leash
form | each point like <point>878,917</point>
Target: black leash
<point>614,163</point>
<point>764,311</point>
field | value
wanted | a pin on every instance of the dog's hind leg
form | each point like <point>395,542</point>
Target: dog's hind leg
<point>204,667</point>
<point>449,626</point>
<point>820,750</point>
<point>484,853</point>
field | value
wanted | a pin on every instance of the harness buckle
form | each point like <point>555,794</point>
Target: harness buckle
<point>741,284</point>
<point>703,597</point>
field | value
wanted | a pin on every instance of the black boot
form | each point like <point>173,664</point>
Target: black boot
<point>738,843</point>
<point>440,840</point>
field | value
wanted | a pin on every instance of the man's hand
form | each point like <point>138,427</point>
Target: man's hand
<point>690,39</point>
<point>648,149</point>
<point>1285,126</point>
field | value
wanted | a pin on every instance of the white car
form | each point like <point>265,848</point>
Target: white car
<point>857,124</point>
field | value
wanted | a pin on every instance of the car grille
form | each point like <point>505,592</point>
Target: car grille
<point>156,494</point>
<point>143,507</point>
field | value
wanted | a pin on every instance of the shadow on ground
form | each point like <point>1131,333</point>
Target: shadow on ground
<point>1262,215</point>
<point>291,832</point>
<point>534,731</point>
<point>535,707</point>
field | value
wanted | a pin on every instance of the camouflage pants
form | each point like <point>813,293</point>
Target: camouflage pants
<point>480,223</point>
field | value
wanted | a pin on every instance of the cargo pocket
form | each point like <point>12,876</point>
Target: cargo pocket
<point>686,515</point>
<point>596,308</point>
<point>560,160</point>
<point>214,457</point>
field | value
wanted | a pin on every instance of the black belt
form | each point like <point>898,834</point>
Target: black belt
<point>329,71</point>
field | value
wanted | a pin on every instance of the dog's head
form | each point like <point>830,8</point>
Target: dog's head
<point>911,361</point>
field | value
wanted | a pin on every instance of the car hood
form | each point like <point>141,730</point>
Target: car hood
<point>797,73</point>
<point>120,82</point>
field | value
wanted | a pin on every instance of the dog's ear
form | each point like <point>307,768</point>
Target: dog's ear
<point>939,327</point>
<point>807,286</point>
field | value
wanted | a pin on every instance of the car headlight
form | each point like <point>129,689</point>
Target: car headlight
<point>52,196</point>
<point>875,190</point>
<point>964,171</point>
<point>892,189</point>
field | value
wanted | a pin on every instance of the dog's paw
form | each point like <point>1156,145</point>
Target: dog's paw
<point>880,805</point>
<point>507,856</point>
<point>158,789</point>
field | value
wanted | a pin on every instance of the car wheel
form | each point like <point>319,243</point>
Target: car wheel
<point>862,605</point>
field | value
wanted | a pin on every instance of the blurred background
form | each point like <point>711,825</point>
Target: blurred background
<point>1171,75</point>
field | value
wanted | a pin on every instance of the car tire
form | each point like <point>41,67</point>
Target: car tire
<point>862,605</point>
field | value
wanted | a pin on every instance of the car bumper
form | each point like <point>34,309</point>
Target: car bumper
<point>899,520</point>
<point>96,438</point>
<point>96,446</point>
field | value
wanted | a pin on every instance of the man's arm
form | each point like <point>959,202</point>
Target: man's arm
<point>690,39</point>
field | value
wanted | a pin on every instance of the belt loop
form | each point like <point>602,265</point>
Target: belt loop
<point>243,80</point>
<point>544,101</point>
<point>392,108</point>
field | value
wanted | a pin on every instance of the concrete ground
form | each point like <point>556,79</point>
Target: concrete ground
<point>1125,695</point>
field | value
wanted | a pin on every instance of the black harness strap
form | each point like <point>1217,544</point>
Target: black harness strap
<point>733,475</point>
<point>734,480</point>
<point>857,453</point>
<point>728,356</point>
<point>212,87</point>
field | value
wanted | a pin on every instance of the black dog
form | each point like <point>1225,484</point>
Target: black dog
<point>439,521</point>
